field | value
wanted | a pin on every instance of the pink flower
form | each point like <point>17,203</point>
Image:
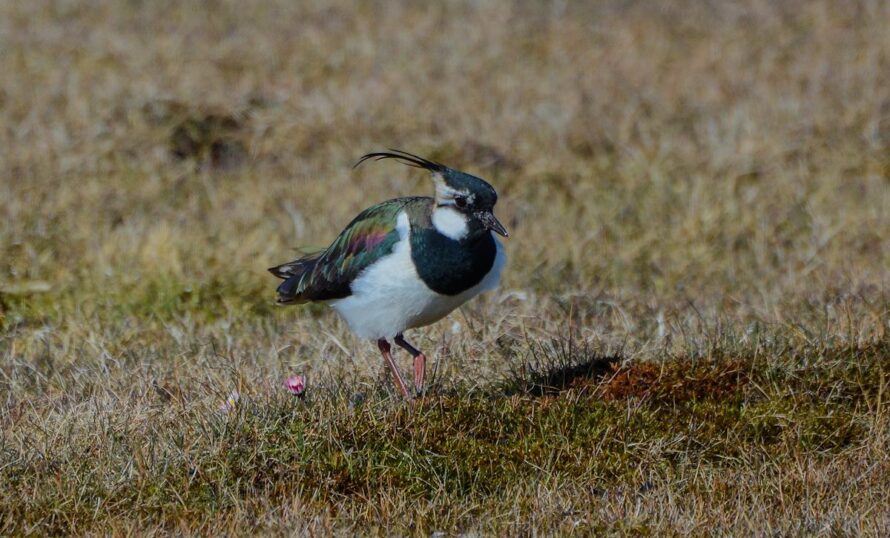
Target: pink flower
<point>231,402</point>
<point>296,385</point>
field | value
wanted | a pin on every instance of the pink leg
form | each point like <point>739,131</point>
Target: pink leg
<point>419,362</point>
<point>419,372</point>
<point>384,347</point>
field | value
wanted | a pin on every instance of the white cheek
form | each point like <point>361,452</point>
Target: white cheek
<point>450,223</point>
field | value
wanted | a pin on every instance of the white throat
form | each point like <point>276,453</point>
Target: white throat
<point>450,223</point>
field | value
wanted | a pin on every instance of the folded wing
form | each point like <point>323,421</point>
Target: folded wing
<point>327,275</point>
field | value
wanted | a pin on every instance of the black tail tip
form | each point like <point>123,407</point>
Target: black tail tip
<point>279,271</point>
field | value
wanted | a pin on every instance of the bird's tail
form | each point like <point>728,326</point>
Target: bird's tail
<point>290,291</point>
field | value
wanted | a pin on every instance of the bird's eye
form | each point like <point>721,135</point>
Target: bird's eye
<point>460,202</point>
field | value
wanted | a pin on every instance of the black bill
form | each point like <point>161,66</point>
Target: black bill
<point>491,222</point>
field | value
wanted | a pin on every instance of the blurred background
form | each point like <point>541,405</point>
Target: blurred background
<point>682,180</point>
<point>663,168</point>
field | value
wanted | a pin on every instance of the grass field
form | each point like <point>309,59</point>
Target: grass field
<point>691,336</point>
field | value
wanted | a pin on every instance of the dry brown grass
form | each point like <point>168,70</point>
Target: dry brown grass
<point>700,189</point>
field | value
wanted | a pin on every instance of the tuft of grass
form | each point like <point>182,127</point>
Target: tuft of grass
<point>555,365</point>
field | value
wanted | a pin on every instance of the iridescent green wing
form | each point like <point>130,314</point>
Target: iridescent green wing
<point>327,275</point>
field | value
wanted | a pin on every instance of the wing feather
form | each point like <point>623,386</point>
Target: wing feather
<point>327,275</point>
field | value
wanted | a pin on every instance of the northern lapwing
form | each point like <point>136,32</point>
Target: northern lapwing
<point>406,262</point>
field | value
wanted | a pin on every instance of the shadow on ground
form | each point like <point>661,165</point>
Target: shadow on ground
<point>557,365</point>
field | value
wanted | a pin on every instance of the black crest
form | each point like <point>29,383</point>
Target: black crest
<point>405,158</point>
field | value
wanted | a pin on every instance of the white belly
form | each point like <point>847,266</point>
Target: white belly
<point>389,297</point>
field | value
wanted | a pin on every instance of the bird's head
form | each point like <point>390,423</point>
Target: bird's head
<point>464,203</point>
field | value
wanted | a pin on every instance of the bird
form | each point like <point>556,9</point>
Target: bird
<point>406,262</point>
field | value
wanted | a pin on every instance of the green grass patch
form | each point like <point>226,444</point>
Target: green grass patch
<point>599,432</point>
